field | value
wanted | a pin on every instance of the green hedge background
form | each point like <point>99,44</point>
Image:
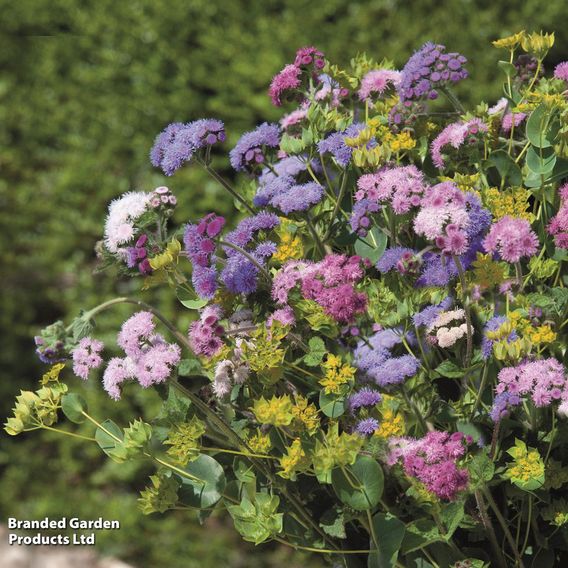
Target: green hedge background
<point>84,88</point>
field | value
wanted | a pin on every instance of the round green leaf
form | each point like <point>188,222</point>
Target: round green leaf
<point>537,127</point>
<point>541,161</point>
<point>73,405</point>
<point>206,492</point>
<point>360,485</point>
<point>373,246</point>
<point>189,300</point>
<point>332,405</point>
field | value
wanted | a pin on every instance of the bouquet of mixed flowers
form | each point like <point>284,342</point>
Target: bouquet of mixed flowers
<point>374,369</point>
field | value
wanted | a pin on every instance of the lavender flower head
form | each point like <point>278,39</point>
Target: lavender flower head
<point>178,142</point>
<point>86,356</point>
<point>335,144</point>
<point>376,362</point>
<point>367,426</point>
<point>360,216</point>
<point>248,153</point>
<point>428,70</point>
<point>403,260</point>
<point>363,398</point>
<point>561,71</point>
<point>285,194</point>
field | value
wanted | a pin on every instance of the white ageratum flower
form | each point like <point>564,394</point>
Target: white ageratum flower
<point>445,334</point>
<point>122,213</point>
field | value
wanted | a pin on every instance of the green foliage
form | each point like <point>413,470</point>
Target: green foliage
<point>257,520</point>
<point>360,486</point>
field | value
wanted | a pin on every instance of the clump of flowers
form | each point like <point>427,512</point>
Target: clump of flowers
<point>388,276</point>
<point>434,461</point>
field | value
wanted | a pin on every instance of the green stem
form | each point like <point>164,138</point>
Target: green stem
<point>453,99</point>
<point>480,391</point>
<point>504,527</point>
<point>72,434</point>
<point>498,553</point>
<point>337,206</point>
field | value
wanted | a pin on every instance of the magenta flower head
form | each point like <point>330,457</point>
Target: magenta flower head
<point>309,58</point>
<point>285,85</point>
<point>558,226</point>
<point>512,239</point>
<point>249,152</point>
<point>429,69</point>
<point>561,71</point>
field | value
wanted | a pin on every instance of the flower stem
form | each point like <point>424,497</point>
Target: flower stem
<point>489,530</point>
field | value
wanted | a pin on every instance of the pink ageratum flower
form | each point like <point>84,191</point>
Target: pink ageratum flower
<point>86,356</point>
<point>330,283</point>
<point>205,333</point>
<point>433,460</point>
<point>456,135</point>
<point>561,71</point>
<point>558,226</point>
<point>377,82</point>
<point>284,83</point>
<point>308,56</point>
<point>288,121</point>
<point>149,358</point>
<point>401,186</point>
<point>544,381</point>
<point>512,119</point>
<point>512,238</point>
<point>443,218</point>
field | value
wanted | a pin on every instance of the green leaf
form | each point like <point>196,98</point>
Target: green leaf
<point>206,492</point>
<point>506,166</point>
<point>333,523</point>
<point>258,521</point>
<point>451,515</point>
<point>332,405</point>
<point>508,68</point>
<point>419,534</point>
<point>390,533</point>
<point>316,353</point>
<point>188,367</point>
<point>373,246</point>
<point>360,486</point>
<point>190,300</point>
<point>449,370</point>
<point>541,162</point>
<point>73,406</point>
<point>174,408</point>
<point>537,128</point>
<point>481,469</point>
<point>107,435</point>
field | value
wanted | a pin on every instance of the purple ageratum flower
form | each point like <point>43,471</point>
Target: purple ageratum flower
<point>335,144</point>
<point>561,71</point>
<point>155,364</point>
<point>298,197</point>
<point>429,69</point>
<point>367,426</point>
<point>248,153</point>
<point>403,260</point>
<point>360,221</point>
<point>118,370</point>
<point>429,314</point>
<point>87,356</point>
<point>363,398</point>
<point>375,360</point>
<point>290,166</point>
<point>245,231</point>
<point>502,404</point>
<point>285,84</point>
<point>512,239</point>
<point>204,280</point>
<point>178,142</point>
<point>437,270</point>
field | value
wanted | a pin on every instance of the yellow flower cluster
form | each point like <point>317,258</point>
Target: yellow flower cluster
<point>513,202</point>
<point>487,272</point>
<point>276,411</point>
<point>52,374</point>
<point>541,334</point>
<point>259,443</point>
<point>168,257</point>
<point>527,471</point>
<point>337,374</point>
<point>537,42</point>
<point>399,142</point>
<point>306,414</point>
<point>510,42</point>
<point>184,440</point>
<point>290,246</point>
<point>392,424</point>
<point>295,460</point>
